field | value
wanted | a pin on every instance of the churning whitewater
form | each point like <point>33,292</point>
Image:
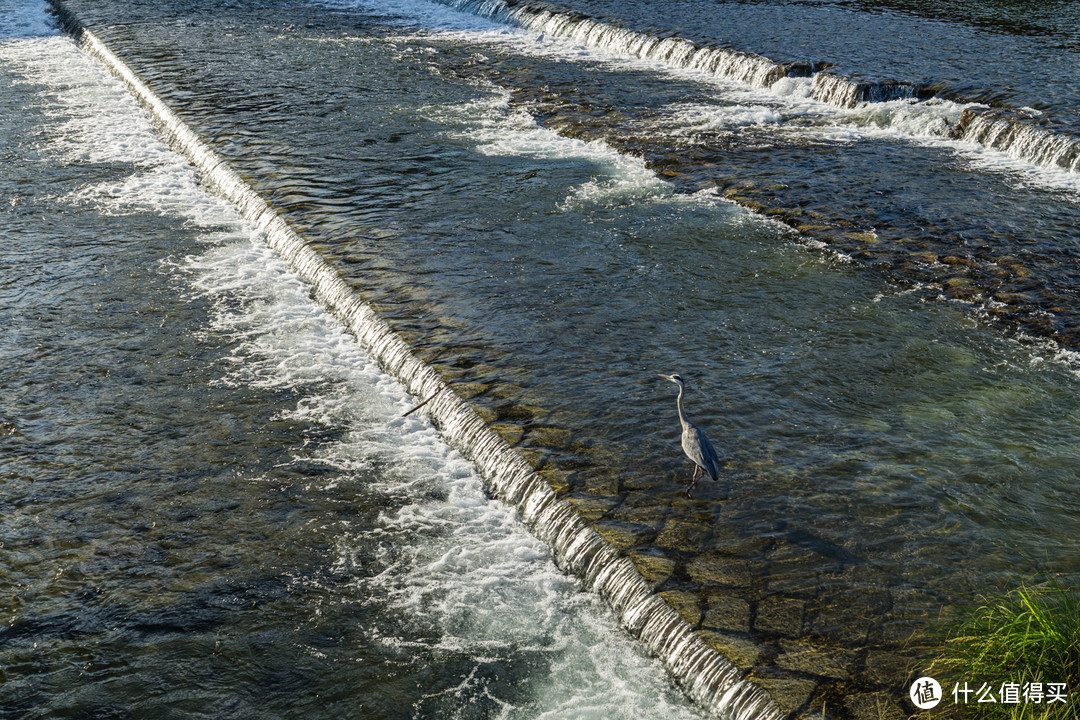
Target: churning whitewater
<point>242,246</point>
<point>1015,133</point>
<point>446,580</point>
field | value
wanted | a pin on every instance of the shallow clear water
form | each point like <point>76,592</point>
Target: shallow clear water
<point>548,225</point>
<point>213,506</point>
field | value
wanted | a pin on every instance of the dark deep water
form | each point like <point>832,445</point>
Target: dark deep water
<point>212,508</point>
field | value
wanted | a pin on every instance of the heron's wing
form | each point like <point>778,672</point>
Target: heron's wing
<point>698,448</point>
<point>711,456</point>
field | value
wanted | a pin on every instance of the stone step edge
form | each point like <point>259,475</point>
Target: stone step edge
<point>707,677</point>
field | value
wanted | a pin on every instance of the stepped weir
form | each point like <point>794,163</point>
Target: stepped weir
<point>705,675</point>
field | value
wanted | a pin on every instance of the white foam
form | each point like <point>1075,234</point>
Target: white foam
<point>799,89</point>
<point>921,121</point>
<point>1017,169</point>
<point>98,121</point>
<point>494,129</point>
<point>457,563</point>
<point>95,120</point>
<point>930,123</point>
<point>463,565</point>
<point>695,118</point>
<point>931,119</point>
<point>435,20</point>
<point>170,188</point>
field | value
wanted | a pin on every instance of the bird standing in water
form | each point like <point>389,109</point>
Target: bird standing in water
<point>694,443</point>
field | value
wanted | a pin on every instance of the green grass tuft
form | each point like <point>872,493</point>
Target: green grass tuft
<point>1030,635</point>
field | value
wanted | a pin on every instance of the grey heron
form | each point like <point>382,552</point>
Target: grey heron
<point>694,443</point>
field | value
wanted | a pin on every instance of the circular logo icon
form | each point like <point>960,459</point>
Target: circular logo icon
<point>925,693</point>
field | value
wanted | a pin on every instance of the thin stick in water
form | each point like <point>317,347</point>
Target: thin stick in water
<point>425,402</point>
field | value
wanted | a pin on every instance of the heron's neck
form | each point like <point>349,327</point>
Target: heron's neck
<point>678,405</point>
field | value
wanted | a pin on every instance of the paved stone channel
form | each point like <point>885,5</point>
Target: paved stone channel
<point>844,643</point>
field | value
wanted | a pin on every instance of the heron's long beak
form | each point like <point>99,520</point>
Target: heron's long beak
<point>666,377</point>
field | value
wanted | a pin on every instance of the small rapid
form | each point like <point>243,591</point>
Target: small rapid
<point>677,52</point>
<point>846,92</point>
<point>1016,135</point>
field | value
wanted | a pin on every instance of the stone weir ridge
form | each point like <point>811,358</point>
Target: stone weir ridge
<point>667,624</point>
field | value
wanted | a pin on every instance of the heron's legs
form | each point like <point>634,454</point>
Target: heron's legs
<point>697,469</point>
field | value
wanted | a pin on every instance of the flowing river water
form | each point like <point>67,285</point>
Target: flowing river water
<point>212,505</point>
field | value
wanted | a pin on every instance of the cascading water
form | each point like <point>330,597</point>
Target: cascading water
<point>847,92</point>
<point>1020,140</point>
<point>709,678</point>
<point>547,225</point>
<point>678,52</point>
<point>1017,135</point>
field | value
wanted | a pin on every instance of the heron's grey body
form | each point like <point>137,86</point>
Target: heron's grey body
<point>694,443</point>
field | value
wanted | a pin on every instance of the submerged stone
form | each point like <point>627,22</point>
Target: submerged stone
<point>653,567</point>
<point>604,484</point>
<point>468,390</point>
<point>740,650</point>
<point>556,479</point>
<point>592,509</point>
<point>726,612</point>
<point>643,510</point>
<point>509,432</point>
<point>552,437</point>
<point>520,412</point>
<point>867,238</point>
<point>840,623</point>
<point>487,414</point>
<point>815,660</point>
<point>789,692</point>
<point>536,457</point>
<point>716,569</point>
<point>623,536</point>
<point>507,391</point>
<point>780,615</point>
<point>886,668</point>
<point>683,536</point>
<point>688,604</point>
<point>874,706</point>
<point>925,256</point>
